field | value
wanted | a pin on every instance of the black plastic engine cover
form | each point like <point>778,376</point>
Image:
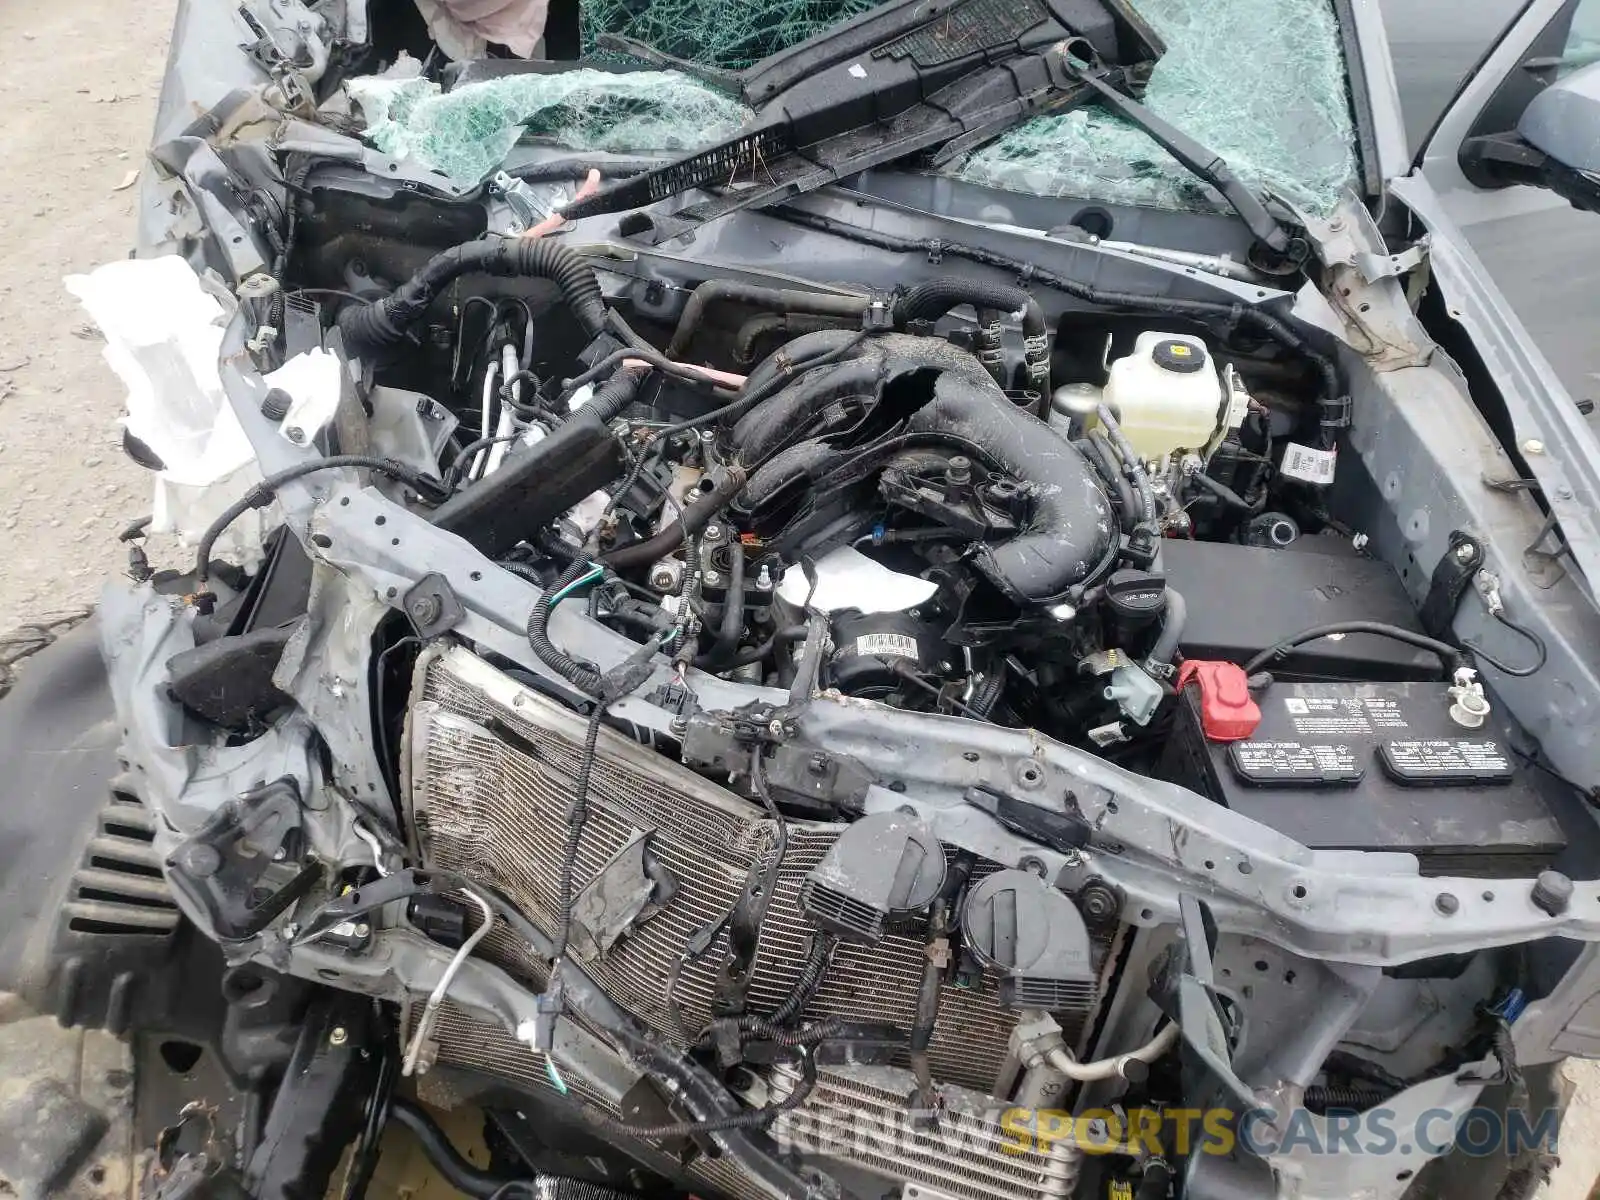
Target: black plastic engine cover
<point>813,446</point>
<point>535,486</point>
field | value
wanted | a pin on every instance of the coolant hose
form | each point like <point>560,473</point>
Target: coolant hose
<point>457,1171</point>
<point>696,516</point>
<point>767,1177</point>
<point>1154,1181</point>
<point>732,605</point>
<point>385,322</point>
<point>1112,1068</point>
<point>781,300</point>
<point>930,301</point>
<point>474,1181</point>
<point>1166,647</point>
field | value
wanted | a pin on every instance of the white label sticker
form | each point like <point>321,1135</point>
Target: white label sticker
<point>857,71</point>
<point>1307,464</point>
<point>887,645</point>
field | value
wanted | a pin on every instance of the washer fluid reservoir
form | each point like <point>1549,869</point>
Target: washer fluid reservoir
<point>1167,394</point>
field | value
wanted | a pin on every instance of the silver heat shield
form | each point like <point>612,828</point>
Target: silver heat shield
<point>489,770</point>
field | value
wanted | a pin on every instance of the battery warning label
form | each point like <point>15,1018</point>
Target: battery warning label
<point>1446,760</point>
<point>1286,763</point>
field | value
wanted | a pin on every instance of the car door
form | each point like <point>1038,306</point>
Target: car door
<point>1476,167</point>
<point>1532,241</point>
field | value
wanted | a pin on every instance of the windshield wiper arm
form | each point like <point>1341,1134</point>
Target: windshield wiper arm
<point>1206,165</point>
<point>903,79</point>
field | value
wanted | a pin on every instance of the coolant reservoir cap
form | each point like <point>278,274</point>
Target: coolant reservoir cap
<point>1184,358</point>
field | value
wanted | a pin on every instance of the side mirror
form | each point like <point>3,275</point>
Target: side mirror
<point>1563,124</point>
<point>1556,144</point>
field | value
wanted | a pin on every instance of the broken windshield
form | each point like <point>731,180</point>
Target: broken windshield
<point>1260,82</point>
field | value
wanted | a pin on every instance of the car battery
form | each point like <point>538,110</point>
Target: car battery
<point>1373,766</point>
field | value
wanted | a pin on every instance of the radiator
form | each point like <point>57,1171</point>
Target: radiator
<point>489,767</point>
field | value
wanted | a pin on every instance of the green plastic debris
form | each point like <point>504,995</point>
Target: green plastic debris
<point>467,132</point>
<point>1261,82</point>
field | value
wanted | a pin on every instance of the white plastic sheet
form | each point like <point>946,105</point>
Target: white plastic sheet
<point>163,332</point>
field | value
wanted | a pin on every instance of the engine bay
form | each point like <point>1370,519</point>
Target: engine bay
<point>882,521</point>
<point>933,468</point>
<point>784,672</point>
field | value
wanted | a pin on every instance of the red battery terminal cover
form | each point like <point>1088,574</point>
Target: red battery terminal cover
<point>1227,711</point>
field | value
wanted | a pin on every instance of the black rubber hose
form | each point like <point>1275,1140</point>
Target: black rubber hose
<point>930,301</point>
<point>1449,656</point>
<point>1223,492</point>
<point>385,322</point>
<point>696,516</point>
<point>733,604</point>
<point>782,300</point>
<point>263,493</point>
<point>1132,464</point>
<point>457,1171</point>
<point>1109,467</point>
<point>585,678</point>
<point>1334,402</point>
<point>990,343</point>
<point>1154,1181</point>
<point>789,325</point>
<point>794,633</point>
<point>1166,647</point>
<point>766,1175</point>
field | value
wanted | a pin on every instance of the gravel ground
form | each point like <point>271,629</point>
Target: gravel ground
<point>78,96</point>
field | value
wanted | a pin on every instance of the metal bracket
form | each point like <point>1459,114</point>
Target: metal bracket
<point>433,607</point>
<point>1374,267</point>
<point>1452,576</point>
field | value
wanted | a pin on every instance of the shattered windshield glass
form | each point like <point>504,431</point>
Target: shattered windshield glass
<point>467,132</point>
<point>1261,82</point>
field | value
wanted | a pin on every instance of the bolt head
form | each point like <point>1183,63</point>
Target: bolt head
<point>713,578</point>
<point>338,1036</point>
<point>363,929</point>
<point>1466,552</point>
<point>1533,446</point>
<point>1446,904</point>
<point>279,854</point>
<point>295,434</point>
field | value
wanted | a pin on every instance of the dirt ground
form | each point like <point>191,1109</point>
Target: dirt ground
<point>77,98</point>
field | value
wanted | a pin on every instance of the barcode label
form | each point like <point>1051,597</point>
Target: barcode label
<point>1308,465</point>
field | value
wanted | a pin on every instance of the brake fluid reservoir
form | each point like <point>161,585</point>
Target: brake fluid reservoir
<point>1167,394</point>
